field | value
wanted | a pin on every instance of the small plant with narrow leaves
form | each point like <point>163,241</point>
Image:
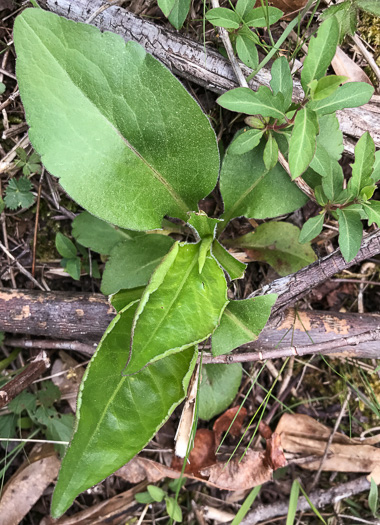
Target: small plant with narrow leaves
<point>242,23</point>
<point>105,129</point>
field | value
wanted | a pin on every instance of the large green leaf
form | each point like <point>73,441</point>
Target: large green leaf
<point>247,51</point>
<point>321,51</point>
<point>179,12</point>
<point>303,141</point>
<point>244,6</point>
<point>363,166</point>
<point>132,262</point>
<point>330,136</point>
<point>223,17</point>
<point>282,81</point>
<point>245,141</point>
<point>99,116</point>
<point>277,243</point>
<point>179,307</point>
<point>98,235</point>
<point>326,86</point>
<point>117,416</point>
<point>350,95</point>
<point>261,102</point>
<point>350,231</point>
<point>249,190</point>
<point>241,322</point>
<point>219,386</point>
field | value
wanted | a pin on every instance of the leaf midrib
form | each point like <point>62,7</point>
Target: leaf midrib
<point>168,310</point>
<point>169,188</point>
<point>241,325</point>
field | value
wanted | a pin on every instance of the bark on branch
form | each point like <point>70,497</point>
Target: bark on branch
<point>201,64</point>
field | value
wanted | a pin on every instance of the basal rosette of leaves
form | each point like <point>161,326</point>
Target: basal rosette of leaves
<point>131,146</point>
<point>100,120</point>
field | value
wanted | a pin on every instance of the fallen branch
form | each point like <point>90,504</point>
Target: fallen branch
<point>295,286</point>
<point>13,388</point>
<point>327,347</point>
<point>319,498</point>
<point>200,64</point>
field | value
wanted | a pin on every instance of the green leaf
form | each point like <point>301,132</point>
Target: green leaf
<point>18,194</point>
<point>156,493</point>
<point>293,502</point>
<point>60,428</point>
<point>179,13</point>
<point>98,235</point>
<point>246,141</point>
<point>261,102</point>
<point>131,263</point>
<point>2,88</point>
<point>243,7</point>
<point>282,80</point>
<point>203,225</point>
<point>350,95</point>
<point>277,243</point>
<point>322,163</point>
<point>65,247</point>
<point>330,136</point>
<point>332,182</point>
<point>346,16</point>
<point>144,497</point>
<point>303,143</point>
<point>173,509</point>
<point>247,51</point>
<point>223,17</point>
<point>371,6</point>
<point>270,155</point>
<point>326,86</point>
<point>219,386</point>
<point>179,307</point>
<point>241,322</point>
<point>117,416</point>
<point>367,192</point>
<point>48,394</point>
<point>372,210</point>
<point>259,16</point>
<point>232,266</point>
<point>373,497</point>
<point>363,166</point>
<point>321,51</point>
<point>125,297</point>
<point>99,116</point>
<point>249,190</point>
<point>166,6</point>
<point>246,506</point>
<point>312,228</point>
<point>376,167</point>
<point>72,267</point>
<point>350,232</point>
<point>24,401</point>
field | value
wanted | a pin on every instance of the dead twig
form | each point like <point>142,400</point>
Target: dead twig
<point>12,389</point>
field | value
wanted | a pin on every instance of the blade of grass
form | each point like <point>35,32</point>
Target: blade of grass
<point>293,502</point>
<point>248,502</point>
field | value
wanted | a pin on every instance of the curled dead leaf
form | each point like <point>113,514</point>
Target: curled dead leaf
<point>224,421</point>
<point>304,435</point>
<point>201,455</point>
<point>344,65</point>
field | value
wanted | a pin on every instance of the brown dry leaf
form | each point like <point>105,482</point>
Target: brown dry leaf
<point>105,513</point>
<point>68,383</point>
<point>303,435</point>
<point>202,454</point>
<point>253,470</point>
<point>274,453</point>
<point>288,6</point>
<point>344,65</point>
<point>264,430</point>
<point>140,469</point>
<point>224,421</point>
<point>28,483</point>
